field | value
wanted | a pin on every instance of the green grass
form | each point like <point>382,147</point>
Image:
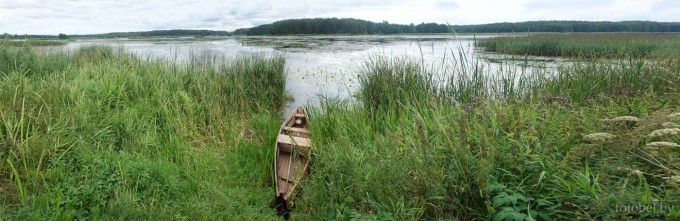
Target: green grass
<point>481,148</point>
<point>278,44</point>
<point>30,43</point>
<point>588,45</point>
<point>387,83</point>
<point>98,134</point>
<point>614,78</point>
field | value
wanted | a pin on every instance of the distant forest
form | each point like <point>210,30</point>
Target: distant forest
<point>160,33</point>
<point>340,26</point>
<point>358,26</point>
<point>140,34</point>
<point>571,26</point>
<point>321,26</point>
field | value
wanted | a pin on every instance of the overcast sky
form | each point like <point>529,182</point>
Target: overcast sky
<point>86,17</point>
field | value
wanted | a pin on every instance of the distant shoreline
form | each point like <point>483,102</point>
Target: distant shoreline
<point>349,26</point>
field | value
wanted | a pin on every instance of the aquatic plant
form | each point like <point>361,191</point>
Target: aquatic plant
<point>658,144</point>
<point>587,45</point>
<point>664,132</point>
<point>100,134</point>
<point>599,137</point>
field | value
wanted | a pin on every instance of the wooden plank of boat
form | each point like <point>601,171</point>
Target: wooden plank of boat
<point>297,129</point>
<point>293,140</point>
<point>291,162</point>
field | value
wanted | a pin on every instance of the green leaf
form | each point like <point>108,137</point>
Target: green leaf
<point>503,215</point>
<point>519,216</point>
<point>349,200</point>
<point>494,187</point>
<point>519,196</point>
<point>501,199</point>
<point>544,202</point>
<point>509,214</point>
<point>512,199</point>
<point>544,216</point>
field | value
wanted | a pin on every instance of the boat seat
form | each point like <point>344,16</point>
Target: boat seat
<point>293,140</point>
<point>299,115</point>
<point>297,129</point>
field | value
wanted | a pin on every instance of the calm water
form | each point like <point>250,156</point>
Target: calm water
<point>330,65</point>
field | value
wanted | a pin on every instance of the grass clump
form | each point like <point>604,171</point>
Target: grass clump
<point>30,43</point>
<point>624,78</point>
<point>588,45</point>
<point>257,79</point>
<point>28,62</point>
<point>484,149</point>
<point>388,83</point>
<point>101,134</point>
<point>279,44</point>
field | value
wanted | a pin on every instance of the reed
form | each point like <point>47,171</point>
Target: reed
<point>389,83</point>
<point>513,144</point>
<point>588,45</point>
<point>30,43</point>
<point>100,134</point>
<point>257,79</point>
<point>618,78</point>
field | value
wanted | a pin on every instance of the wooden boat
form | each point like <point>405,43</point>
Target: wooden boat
<point>292,156</point>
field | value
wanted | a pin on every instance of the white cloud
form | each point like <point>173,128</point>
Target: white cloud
<point>80,17</point>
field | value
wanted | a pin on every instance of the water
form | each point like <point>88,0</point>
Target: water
<point>329,66</point>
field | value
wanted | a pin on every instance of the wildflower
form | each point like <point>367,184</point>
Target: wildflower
<point>624,119</point>
<point>674,115</point>
<point>664,132</point>
<point>672,179</point>
<point>670,125</point>
<point>634,171</point>
<point>599,136</point>
<point>662,144</point>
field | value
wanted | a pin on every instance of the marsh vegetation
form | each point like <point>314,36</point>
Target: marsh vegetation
<point>484,148</point>
<point>588,45</point>
<point>100,133</point>
<point>29,43</point>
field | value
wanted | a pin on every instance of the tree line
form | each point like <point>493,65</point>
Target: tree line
<point>358,26</point>
<point>353,26</point>
<point>340,26</point>
<point>154,33</point>
<point>571,26</point>
<point>160,33</point>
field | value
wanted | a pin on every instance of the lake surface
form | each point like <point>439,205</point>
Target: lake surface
<point>327,66</point>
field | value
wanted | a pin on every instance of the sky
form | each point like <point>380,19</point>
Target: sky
<point>103,16</point>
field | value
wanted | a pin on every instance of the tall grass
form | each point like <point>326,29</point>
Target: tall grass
<point>26,60</point>
<point>257,79</point>
<point>617,78</point>
<point>588,45</point>
<point>30,43</point>
<point>101,134</point>
<point>491,147</point>
<point>387,84</point>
